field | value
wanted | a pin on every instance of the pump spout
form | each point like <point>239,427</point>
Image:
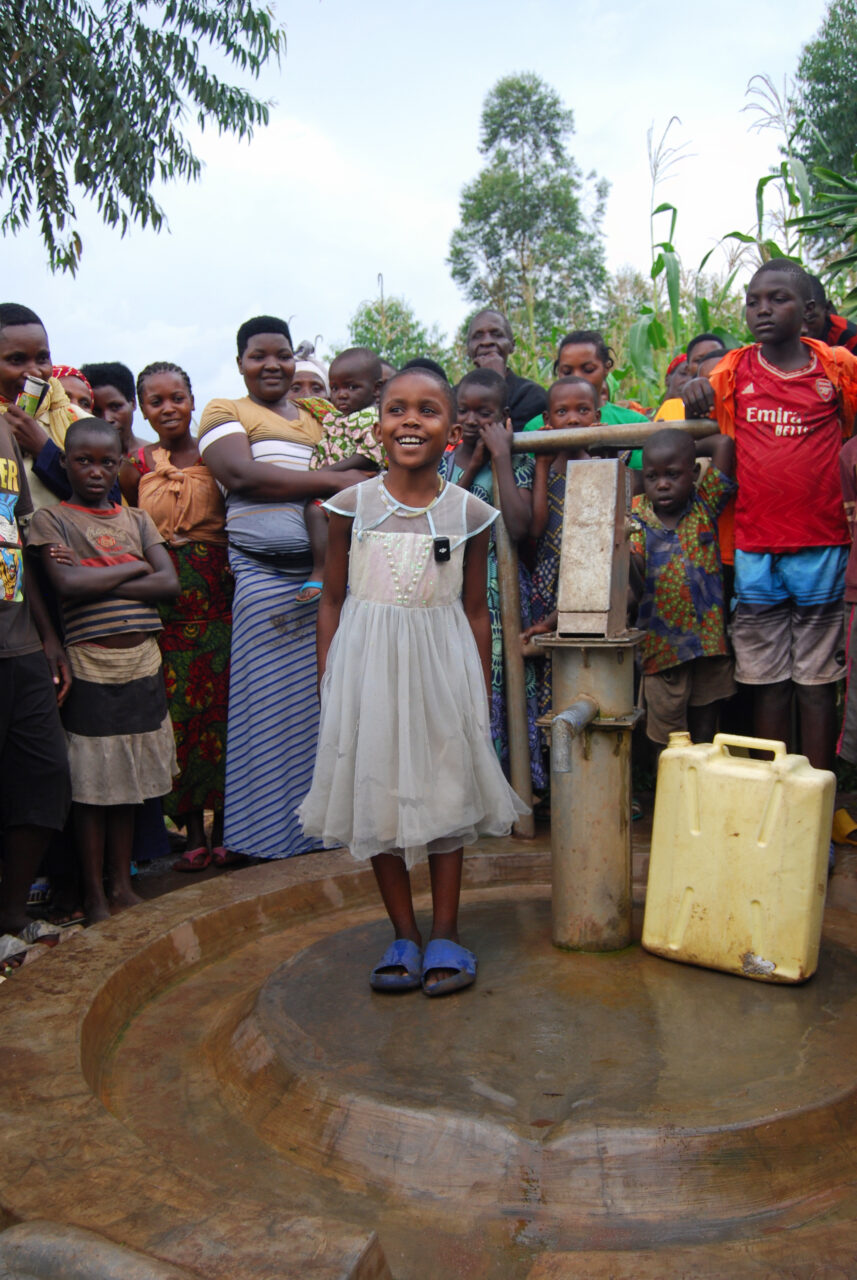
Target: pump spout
<point>568,725</point>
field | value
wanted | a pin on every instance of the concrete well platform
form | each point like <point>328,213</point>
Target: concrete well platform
<point>208,1080</point>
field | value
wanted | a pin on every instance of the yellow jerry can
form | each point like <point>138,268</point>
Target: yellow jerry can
<point>738,868</point>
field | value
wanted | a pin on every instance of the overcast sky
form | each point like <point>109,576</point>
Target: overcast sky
<point>373,134</point>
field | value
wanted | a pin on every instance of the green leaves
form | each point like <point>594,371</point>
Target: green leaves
<point>834,218</point>
<point>94,98</point>
<point>525,115</point>
<point>390,327</point>
<point>826,96</point>
<point>526,243</point>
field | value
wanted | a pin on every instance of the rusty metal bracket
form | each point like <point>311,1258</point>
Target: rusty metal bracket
<point>600,722</point>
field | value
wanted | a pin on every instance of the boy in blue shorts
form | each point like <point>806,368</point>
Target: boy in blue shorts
<point>788,402</point>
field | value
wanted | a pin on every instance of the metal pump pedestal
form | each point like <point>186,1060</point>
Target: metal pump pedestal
<point>593,697</point>
<point>593,679</point>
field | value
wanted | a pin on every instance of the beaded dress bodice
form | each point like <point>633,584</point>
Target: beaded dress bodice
<point>392,559</point>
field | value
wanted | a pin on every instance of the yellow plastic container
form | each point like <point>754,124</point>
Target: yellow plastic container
<point>738,868</point>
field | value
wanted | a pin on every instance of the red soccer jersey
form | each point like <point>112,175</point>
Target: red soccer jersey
<point>788,434</point>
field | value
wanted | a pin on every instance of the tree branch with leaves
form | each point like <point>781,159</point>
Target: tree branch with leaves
<point>94,100</point>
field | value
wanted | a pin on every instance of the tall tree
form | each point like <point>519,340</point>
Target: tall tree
<point>390,327</point>
<point>826,92</point>
<point>530,240</point>
<point>93,97</point>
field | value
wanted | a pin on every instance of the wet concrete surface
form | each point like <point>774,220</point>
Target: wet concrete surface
<point>209,1080</point>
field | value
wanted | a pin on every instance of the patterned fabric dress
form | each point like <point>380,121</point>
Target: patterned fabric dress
<point>195,647</point>
<point>483,487</point>
<point>348,434</point>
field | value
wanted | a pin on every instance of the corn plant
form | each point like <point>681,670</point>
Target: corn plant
<point>788,182</point>
<point>835,212</point>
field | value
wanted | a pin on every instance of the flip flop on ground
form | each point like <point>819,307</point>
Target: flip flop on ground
<point>223,857</point>
<point>194,860</point>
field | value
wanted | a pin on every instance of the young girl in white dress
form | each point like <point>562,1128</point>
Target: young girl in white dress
<point>405,769</point>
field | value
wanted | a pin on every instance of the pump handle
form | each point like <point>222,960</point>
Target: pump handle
<point>725,740</point>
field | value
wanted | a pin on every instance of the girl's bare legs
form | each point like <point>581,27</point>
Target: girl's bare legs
<point>119,842</point>
<point>445,872</point>
<point>89,826</point>
<point>105,831</point>
<point>194,825</point>
<point>394,882</point>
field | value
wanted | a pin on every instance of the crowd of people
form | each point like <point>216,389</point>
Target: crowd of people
<point>282,629</point>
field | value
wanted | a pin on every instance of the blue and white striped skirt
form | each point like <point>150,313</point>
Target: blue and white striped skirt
<point>273,711</point>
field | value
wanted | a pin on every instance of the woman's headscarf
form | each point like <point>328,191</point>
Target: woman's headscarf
<point>68,371</point>
<point>310,364</point>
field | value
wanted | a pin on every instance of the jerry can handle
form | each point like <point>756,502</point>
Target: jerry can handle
<point>725,740</point>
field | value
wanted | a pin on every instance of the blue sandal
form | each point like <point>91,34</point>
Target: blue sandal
<point>443,954</point>
<point>401,954</point>
<point>313,587</point>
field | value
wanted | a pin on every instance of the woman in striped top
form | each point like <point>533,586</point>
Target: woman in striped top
<point>258,448</point>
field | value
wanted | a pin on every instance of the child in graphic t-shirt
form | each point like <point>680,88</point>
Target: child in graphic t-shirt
<point>109,567</point>
<point>788,402</point>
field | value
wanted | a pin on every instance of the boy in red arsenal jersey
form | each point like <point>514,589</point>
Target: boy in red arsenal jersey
<point>789,403</point>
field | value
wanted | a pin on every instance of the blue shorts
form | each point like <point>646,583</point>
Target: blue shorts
<point>814,576</point>
<point>788,623</point>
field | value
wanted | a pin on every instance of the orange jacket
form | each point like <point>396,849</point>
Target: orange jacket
<point>839,365</point>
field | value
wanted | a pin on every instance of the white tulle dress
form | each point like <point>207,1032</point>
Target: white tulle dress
<point>405,762</point>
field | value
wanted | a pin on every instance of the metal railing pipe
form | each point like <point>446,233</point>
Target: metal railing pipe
<point>623,435</point>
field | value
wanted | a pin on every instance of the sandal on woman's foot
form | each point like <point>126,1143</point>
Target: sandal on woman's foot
<point>309,591</point>
<point>443,954</point>
<point>194,860</point>
<point>401,954</point>
<point>223,857</point>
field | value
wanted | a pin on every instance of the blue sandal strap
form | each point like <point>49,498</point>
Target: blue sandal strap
<point>443,954</point>
<point>401,954</point>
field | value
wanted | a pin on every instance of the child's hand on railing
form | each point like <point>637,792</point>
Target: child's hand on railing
<point>698,397</point>
<point>497,438</point>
